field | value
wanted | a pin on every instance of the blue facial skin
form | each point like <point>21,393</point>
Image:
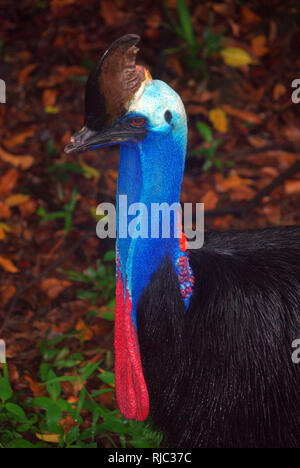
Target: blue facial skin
<point>151,171</point>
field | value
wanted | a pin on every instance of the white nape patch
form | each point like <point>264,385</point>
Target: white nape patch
<point>154,100</point>
<point>139,93</point>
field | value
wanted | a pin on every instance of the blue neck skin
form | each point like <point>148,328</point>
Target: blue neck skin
<point>150,171</point>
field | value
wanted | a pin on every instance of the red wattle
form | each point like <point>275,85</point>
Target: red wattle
<point>131,389</point>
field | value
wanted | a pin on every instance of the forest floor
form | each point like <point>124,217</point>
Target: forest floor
<point>233,65</point>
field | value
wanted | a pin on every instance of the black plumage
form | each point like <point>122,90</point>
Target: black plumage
<point>221,374</point>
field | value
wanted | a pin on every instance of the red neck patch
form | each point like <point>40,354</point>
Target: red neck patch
<point>131,389</point>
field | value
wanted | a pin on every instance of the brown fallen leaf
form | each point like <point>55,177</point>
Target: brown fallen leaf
<point>196,109</point>
<point>172,4</point>
<point>85,332</point>
<point>221,9</point>
<point>61,74</point>
<point>219,182</point>
<point>246,116</point>
<point>278,91</point>
<point>52,287</point>
<point>210,200</point>
<point>272,213</point>
<point>58,4</point>
<point>257,142</point>
<point>223,222</point>
<point>4,210</point>
<point>8,181</point>
<point>16,200</point>
<point>234,180</point>
<point>235,28</point>
<point>218,119</point>
<point>18,139</point>
<point>36,388</point>
<point>49,97</point>
<point>292,186</point>
<point>241,193</point>
<point>272,31</point>
<point>28,208</point>
<point>107,397</point>
<point>270,171</point>
<point>24,74</point>
<point>67,423</point>
<point>258,46</point>
<point>23,161</point>
<point>13,350</point>
<point>291,133</point>
<point>8,265</point>
<point>112,13</point>
<point>41,326</point>
<point>14,375</point>
<point>248,17</point>
<point>265,157</point>
<point>175,63</point>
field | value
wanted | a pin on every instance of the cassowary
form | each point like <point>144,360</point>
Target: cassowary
<point>203,338</point>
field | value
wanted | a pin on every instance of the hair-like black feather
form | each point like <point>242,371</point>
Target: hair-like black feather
<point>220,374</point>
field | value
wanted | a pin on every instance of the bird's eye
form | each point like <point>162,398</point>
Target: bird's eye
<point>168,116</point>
<point>138,122</point>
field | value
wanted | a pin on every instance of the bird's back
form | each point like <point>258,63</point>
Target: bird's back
<point>221,373</point>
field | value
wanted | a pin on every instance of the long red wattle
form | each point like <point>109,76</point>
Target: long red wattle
<point>131,389</point>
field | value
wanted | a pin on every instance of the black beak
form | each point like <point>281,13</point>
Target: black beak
<point>87,139</point>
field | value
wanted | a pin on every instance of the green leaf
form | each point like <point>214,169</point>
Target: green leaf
<point>5,388</point>
<point>205,131</point>
<point>17,411</point>
<point>74,275</point>
<point>80,402</point>
<point>186,24</point>
<point>53,417</point>
<point>21,443</point>
<point>107,377</point>
<point>109,256</point>
<point>108,316</point>
<point>71,204</point>
<point>72,435</point>
<point>92,295</point>
<point>68,222</point>
<point>49,353</point>
<point>89,369</point>
<point>53,412</point>
<point>207,165</point>
<point>88,64</point>
<point>71,361</point>
<point>52,385</point>
<point>44,369</point>
<point>100,392</point>
<point>64,168</point>
<point>51,150</point>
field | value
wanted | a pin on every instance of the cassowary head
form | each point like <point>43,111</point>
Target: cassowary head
<point>123,103</point>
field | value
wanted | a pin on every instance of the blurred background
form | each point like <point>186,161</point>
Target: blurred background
<point>233,63</point>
